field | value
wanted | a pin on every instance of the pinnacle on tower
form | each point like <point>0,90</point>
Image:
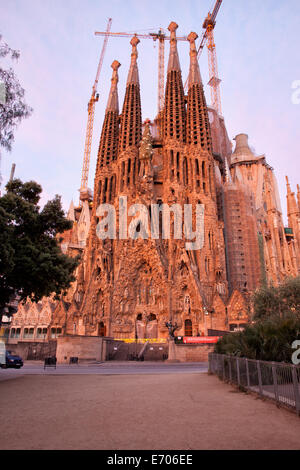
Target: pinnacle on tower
<point>194,73</point>
<point>108,146</point>
<point>174,110</point>
<point>173,57</point>
<point>291,201</point>
<point>131,121</point>
<point>298,196</point>
<point>113,101</point>
<point>198,128</point>
<point>133,74</point>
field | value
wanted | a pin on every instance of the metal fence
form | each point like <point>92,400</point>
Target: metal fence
<point>275,380</point>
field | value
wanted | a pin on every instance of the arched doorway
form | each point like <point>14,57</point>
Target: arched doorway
<point>188,328</point>
<point>152,327</point>
<point>140,327</point>
<point>101,329</point>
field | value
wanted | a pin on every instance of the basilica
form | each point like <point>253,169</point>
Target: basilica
<point>129,288</point>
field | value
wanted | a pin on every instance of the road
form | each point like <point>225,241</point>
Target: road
<point>106,368</point>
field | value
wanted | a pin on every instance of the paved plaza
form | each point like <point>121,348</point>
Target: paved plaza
<point>136,406</point>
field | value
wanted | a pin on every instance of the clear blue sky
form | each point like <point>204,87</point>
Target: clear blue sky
<point>258,56</point>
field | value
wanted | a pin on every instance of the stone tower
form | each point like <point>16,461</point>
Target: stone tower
<point>134,285</point>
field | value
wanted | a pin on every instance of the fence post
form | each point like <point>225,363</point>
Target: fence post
<point>259,378</point>
<point>238,371</point>
<point>296,389</point>
<point>247,372</point>
<point>230,373</point>
<point>274,372</point>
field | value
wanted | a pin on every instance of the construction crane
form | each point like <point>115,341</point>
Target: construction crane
<point>161,37</point>
<point>84,191</point>
<point>208,36</point>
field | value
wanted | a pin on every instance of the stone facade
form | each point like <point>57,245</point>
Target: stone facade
<point>130,288</point>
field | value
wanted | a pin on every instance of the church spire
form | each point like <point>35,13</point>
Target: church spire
<point>131,121</point>
<point>108,146</point>
<point>194,73</point>
<point>133,74</point>
<point>198,128</point>
<point>174,110</point>
<point>298,196</point>
<point>173,57</point>
<point>292,208</point>
<point>113,100</point>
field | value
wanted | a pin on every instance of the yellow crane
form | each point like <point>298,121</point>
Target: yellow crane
<point>84,190</point>
<point>161,37</point>
<point>208,35</point>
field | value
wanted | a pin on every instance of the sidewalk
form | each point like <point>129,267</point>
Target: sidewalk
<point>182,411</point>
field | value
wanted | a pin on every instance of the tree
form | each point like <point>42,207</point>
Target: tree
<point>276,327</point>
<point>282,300</point>
<point>266,302</point>
<point>31,262</point>
<point>13,107</point>
<point>269,339</point>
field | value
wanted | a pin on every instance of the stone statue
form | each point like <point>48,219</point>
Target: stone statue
<point>172,328</point>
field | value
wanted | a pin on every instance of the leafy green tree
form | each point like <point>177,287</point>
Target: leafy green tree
<point>276,327</point>
<point>269,339</point>
<point>282,300</point>
<point>266,302</point>
<point>13,107</point>
<point>31,262</point>
<point>290,296</point>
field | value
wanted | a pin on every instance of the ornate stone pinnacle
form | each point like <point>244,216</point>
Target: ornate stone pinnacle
<point>115,65</point>
<point>192,37</point>
<point>134,41</point>
<point>172,27</point>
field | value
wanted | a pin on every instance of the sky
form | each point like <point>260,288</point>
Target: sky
<point>257,44</point>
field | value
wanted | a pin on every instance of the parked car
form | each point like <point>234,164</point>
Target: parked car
<point>12,360</point>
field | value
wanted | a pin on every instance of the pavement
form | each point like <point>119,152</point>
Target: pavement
<point>106,368</point>
<point>136,406</point>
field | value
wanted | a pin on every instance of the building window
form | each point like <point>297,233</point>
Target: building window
<point>55,332</point>
<point>101,329</point>
<point>4,333</point>
<point>41,332</point>
<point>188,328</point>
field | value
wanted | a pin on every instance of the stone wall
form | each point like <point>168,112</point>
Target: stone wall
<point>33,350</point>
<point>190,352</point>
<point>86,348</point>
